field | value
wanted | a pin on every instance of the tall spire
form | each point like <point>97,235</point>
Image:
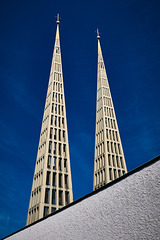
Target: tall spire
<point>109,161</point>
<point>52,184</point>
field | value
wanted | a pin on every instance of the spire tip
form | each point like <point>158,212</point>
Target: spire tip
<point>57,22</point>
<point>98,35</point>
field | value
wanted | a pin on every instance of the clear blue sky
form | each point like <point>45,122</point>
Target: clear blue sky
<point>130,41</point>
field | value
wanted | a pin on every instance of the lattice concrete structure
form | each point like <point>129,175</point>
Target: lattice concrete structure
<point>109,161</point>
<point>52,185</point>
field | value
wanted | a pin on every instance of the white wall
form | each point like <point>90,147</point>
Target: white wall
<point>126,210</point>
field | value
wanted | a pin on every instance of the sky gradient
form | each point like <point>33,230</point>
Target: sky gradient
<point>130,37</point>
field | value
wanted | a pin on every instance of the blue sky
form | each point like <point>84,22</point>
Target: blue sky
<point>130,38</point>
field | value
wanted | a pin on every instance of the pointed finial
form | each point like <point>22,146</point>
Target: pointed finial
<point>57,22</point>
<point>98,36</point>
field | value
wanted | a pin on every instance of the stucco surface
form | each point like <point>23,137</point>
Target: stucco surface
<point>126,210</point>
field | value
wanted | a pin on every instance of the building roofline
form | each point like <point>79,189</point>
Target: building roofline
<point>91,193</point>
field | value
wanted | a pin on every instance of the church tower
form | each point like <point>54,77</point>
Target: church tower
<point>52,184</point>
<point>109,161</point>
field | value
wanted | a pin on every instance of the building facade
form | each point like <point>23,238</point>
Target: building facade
<point>109,161</point>
<point>52,184</point>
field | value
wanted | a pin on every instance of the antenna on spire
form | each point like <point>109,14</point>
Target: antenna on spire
<point>58,22</point>
<point>98,35</point>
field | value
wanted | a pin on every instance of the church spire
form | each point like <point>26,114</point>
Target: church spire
<point>52,184</point>
<point>109,162</point>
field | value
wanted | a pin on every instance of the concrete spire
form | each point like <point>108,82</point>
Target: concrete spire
<point>52,184</point>
<point>109,161</point>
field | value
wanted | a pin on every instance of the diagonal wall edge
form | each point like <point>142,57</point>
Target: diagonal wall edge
<point>126,208</point>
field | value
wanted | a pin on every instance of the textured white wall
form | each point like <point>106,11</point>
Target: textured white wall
<point>125,210</point>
